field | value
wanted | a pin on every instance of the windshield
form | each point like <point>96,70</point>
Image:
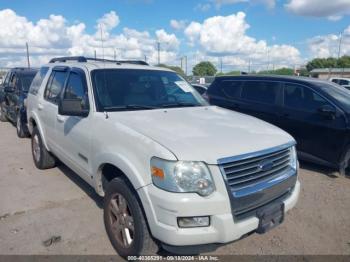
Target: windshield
<point>25,81</point>
<point>339,93</point>
<point>133,89</point>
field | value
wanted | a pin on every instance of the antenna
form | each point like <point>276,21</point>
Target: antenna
<point>27,54</point>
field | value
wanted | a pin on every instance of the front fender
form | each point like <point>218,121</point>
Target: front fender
<point>125,165</point>
<point>33,116</point>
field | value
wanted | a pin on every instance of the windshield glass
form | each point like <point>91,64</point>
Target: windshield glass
<point>26,80</point>
<point>339,93</point>
<point>133,89</point>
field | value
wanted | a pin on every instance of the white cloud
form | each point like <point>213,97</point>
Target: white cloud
<point>225,36</point>
<point>333,9</point>
<point>178,24</point>
<point>54,36</point>
<point>108,21</point>
<point>202,7</point>
<point>328,45</point>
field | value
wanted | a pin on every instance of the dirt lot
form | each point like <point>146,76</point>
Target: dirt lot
<point>37,205</point>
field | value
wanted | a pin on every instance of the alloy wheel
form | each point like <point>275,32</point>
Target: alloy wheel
<point>36,148</point>
<point>121,219</point>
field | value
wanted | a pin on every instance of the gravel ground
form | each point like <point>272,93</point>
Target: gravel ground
<point>38,205</point>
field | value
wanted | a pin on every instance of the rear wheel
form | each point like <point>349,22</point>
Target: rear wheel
<point>42,158</point>
<point>2,113</point>
<point>21,129</point>
<point>125,222</point>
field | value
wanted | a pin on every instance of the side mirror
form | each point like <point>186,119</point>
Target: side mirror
<point>72,107</point>
<point>8,89</point>
<point>327,111</point>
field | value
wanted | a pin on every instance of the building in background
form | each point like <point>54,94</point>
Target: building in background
<point>326,73</point>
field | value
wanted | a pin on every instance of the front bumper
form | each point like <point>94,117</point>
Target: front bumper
<point>163,208</point>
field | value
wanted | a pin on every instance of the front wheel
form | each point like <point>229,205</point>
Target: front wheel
<point>3,117</point>
<point>125,222</point>
<point>345,164</point>
<point>42,158</point>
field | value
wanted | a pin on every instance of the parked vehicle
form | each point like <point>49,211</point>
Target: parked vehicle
<point>201,89</point>
<point>345,82</point>
<point>140,136</point>
<point>13,94</point>
<point>315,112</point>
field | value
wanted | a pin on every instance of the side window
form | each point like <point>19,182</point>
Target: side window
<point>335,81</point>
<point>302,98</point>
<point>13,81</point>
<point>38,80</point>
<point>343,82</point>
<point>55,86</point>
<point>7,79</point>
<point>231,89</point>
<point>76,89</point>
<point>261,92</point>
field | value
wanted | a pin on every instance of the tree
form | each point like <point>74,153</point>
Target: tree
<point>204,69</point>
<point>177,69</point>
<point>231,73</point>
<point>281,71</point>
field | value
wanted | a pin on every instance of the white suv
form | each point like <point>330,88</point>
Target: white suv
<point>174,171</point>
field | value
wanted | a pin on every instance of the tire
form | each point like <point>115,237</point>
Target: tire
<point>3,117</point>
<point>42,158</point>
<point>21,130</point>
<point>344,169</point>
<point>126,225</point>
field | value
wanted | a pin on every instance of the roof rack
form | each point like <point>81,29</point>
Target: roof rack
<point>83,59</point>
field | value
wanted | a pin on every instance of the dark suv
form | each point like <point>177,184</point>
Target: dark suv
<point>12,95</point>
<point>315,112</point>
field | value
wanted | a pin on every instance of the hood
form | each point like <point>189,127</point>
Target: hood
<point>203,133</point>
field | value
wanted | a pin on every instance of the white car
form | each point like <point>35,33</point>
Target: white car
<point>174,171</point>
<point>345,82</point>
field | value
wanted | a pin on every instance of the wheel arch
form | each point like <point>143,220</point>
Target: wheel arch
<point>34,122</point>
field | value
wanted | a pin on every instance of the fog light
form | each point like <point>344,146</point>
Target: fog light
<point>193,221</point>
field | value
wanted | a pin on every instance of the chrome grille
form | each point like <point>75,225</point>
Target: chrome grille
<point>248,171</point>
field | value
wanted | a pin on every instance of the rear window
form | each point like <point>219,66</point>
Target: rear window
<point>25,81</point>
<point>261,92</point>
<point>37,81</point>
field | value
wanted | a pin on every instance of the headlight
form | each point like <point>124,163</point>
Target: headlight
<point>293,158</point>
<point>182,176</point>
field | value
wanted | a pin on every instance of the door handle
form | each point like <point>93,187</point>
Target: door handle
<point>40,107</point>
<point>60,118</point>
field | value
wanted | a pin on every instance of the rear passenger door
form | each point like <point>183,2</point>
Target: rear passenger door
<point>48,107</point>
<point>262,100</point>
<point>73,132</point>
<point>13,97</point>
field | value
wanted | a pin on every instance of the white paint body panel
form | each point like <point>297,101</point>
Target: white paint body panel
<point>128,140</point>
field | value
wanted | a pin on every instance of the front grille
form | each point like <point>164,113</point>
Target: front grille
<point>252,170</point>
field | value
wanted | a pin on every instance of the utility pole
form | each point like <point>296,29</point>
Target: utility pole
<point>340,42</point>
<point>28,55</point>
<point>95,54</point>
<point>186,64</point>
<point>115,54</point>
<point>158,47</point>
<point>145,58</point>
<point>249,65</point>
<point>181,63</point>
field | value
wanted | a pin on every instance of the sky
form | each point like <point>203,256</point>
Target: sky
<point>233,34</point>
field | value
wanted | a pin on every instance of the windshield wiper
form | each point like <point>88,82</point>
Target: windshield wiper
<point>127,107</point>
<point>178,104</point>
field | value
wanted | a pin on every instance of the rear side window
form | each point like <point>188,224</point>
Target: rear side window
<point>261,92</point>
<point>343,82</point>
<point>76,89</point>
<point>55,86</point>
<point>37,81</point>
<point>335,81</point>
<point>231,89</point>
<point>302,98</point>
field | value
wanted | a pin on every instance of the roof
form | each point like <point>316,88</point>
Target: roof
<point>92,63</point>
<point>330,70</point>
